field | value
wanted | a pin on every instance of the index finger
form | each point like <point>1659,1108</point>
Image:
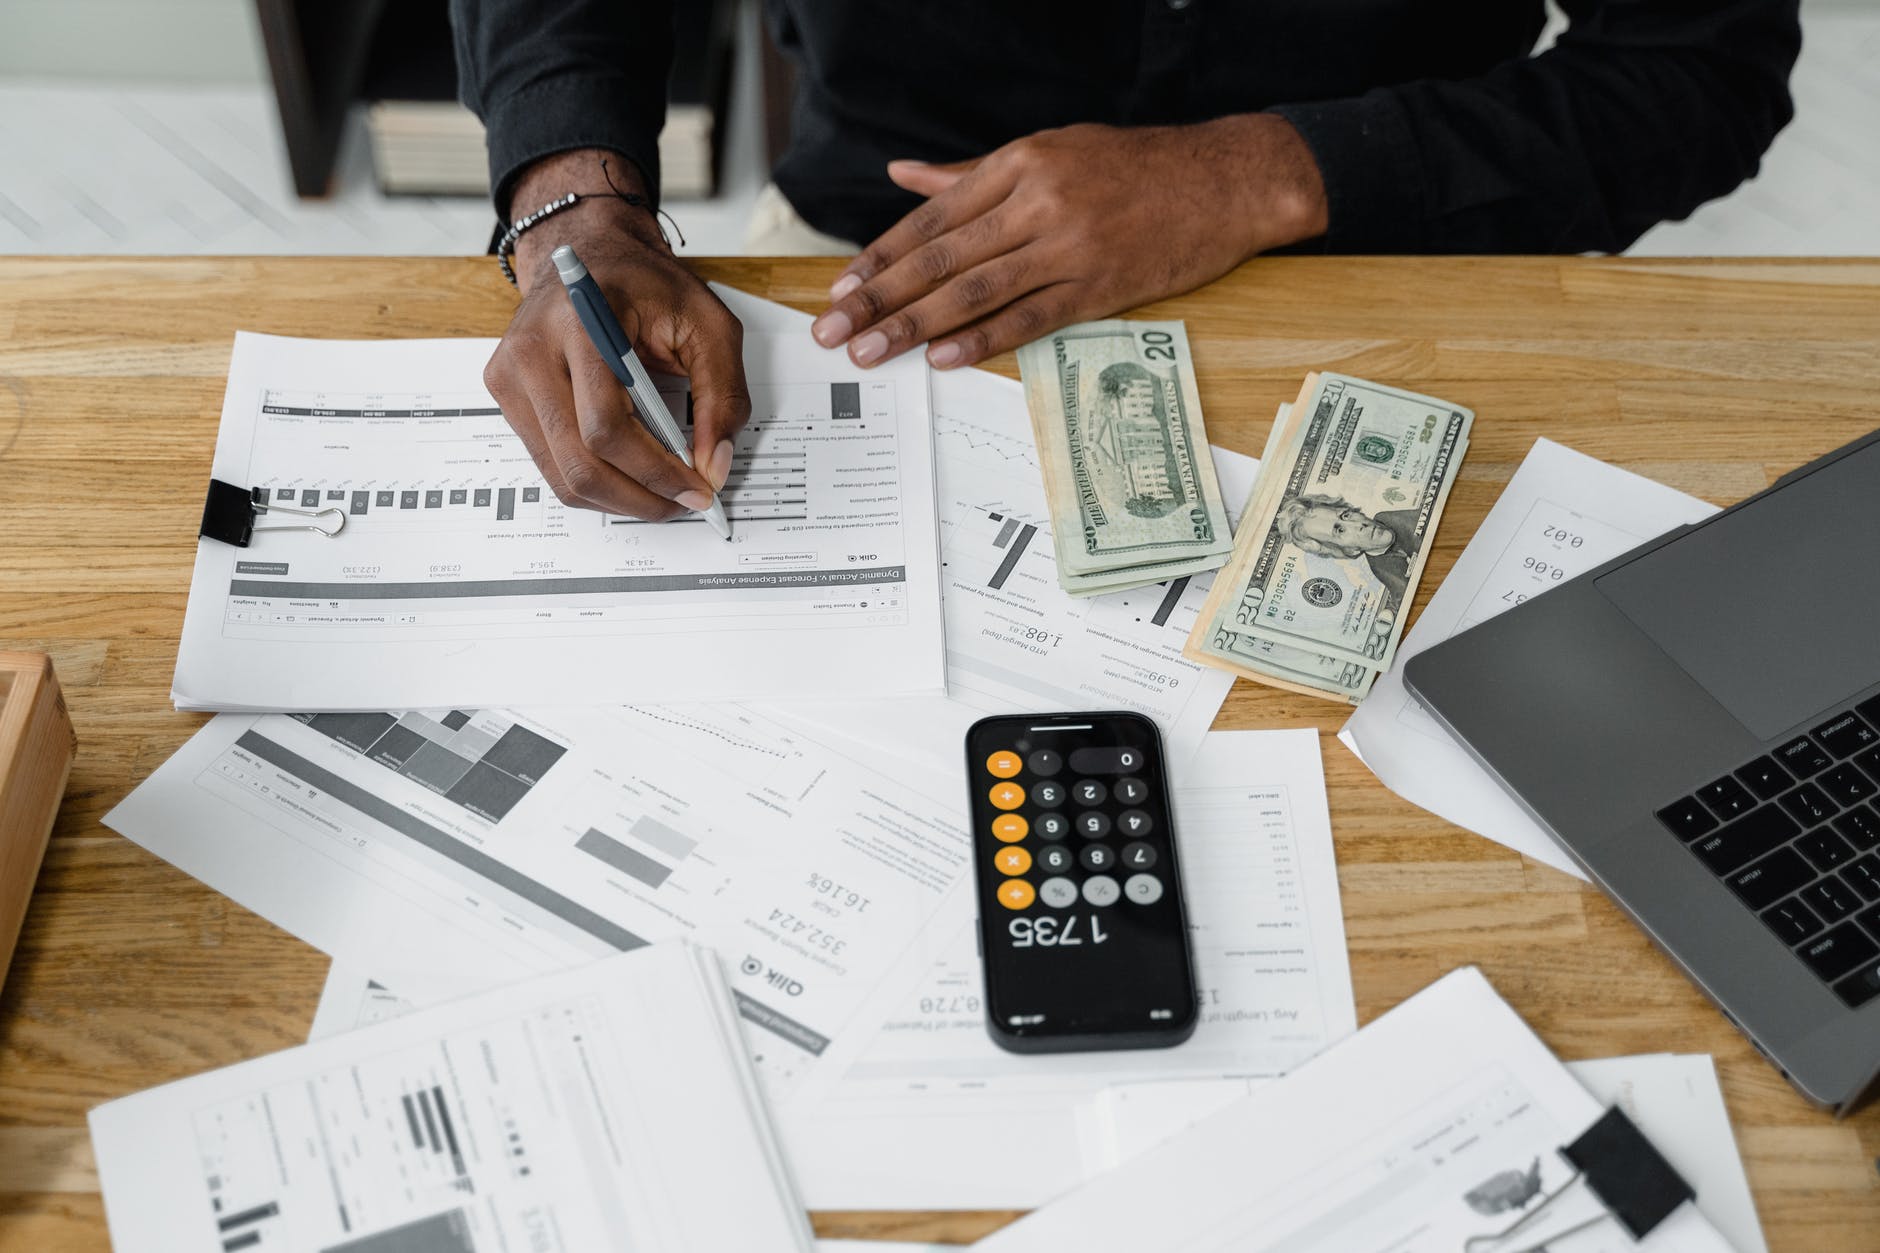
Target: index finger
<point>975,193</point>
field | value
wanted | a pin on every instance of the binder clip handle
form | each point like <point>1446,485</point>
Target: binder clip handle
<point>229,513</point>
<point>1634,1184</point>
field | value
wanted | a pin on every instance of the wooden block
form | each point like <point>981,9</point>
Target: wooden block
<point>36,747</point>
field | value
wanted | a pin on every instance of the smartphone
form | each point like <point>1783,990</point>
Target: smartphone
<point>1082,930</point>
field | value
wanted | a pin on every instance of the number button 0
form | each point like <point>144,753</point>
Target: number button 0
<point>1090,792</point>
<point>1009,828</point>
<point>1007,795</point>
<point>1012,861</point>
<point>1016,894</point>
<point>1004,764</point>
<point>1132,791</point>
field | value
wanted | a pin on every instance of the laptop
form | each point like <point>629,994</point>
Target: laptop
<point>1697,723</point>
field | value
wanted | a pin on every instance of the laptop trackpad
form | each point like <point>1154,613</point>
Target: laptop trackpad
<point>1774,608</point>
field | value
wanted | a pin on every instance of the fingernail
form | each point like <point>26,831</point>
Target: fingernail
<point>844,285</point>
<point>870,347</point>
<point>940,356</point>
<point>831,329</point>
<point>720,468</point>
<point>696,501</point>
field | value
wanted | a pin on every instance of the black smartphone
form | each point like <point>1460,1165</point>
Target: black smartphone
<point>1082,931</point>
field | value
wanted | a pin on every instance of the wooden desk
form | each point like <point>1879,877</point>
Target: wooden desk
<point>1711,376</point>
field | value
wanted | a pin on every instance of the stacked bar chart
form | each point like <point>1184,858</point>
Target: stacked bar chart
<point>481,761</point>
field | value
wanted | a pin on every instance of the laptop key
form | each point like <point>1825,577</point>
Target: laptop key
<point>1870,762</point>
<point>1746,839</point>
<point>1803,757</point>
<point>1832,899</point>
<point>1836,952</point>
<point>1864,877</point>
<point>1727,798</point>
<point>1765,778</point>
<point>1846,785</point>
<point>1861,826</point>
<point>1860,987</point>
<point>1809,805</point>
<point>1687,819</point>
<point>1845,735</point>
<point>1763,883</point>
<point>1792,921</point>
<point>1871,921</point>
<point>1870,710</point>
<point>1825,849</point>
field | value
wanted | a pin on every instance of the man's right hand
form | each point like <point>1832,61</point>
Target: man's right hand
<point>570,411</point>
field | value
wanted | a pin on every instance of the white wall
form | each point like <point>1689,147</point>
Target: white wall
<point>123,41</point>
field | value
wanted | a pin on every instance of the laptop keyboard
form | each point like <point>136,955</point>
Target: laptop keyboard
<point>1796,835</point>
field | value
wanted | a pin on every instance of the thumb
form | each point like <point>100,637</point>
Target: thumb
<point>928,180</point>
<point>713,358</point>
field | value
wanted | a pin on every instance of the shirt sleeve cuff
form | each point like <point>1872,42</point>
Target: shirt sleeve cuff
<point>1374,182</point>
<point>565,112</point>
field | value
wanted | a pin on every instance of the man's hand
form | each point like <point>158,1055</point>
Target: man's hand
<point>1068,225</point>
<point>570,411</point>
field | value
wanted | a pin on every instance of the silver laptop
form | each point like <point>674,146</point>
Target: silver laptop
<point>1698,724</point>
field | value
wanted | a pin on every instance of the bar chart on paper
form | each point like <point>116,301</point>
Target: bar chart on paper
<point>485,762</point>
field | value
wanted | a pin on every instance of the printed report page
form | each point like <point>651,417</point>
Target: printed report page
<point>460,578</point>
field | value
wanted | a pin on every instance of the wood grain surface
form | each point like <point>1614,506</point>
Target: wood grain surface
<point>1711,376</point>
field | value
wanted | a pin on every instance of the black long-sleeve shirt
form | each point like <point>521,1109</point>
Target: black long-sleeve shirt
<point>1436,128</point>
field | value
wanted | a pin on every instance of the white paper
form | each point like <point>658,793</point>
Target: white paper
<point>577,833</point>
<point>907,1123</point>
<point>1438,1122</point>
<point>1562,513</point>
<point>460,579</point>
<point>608,1107</point>
<point>1674,1099</point>
<point>1023,644</point>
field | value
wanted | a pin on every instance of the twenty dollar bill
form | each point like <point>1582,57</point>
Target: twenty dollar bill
<point>1127,472</point>
<point>1335,540</point>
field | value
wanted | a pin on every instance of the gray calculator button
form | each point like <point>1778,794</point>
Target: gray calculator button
<point>1100,890</point>
<point>1055,858</point>
<point>1132,791</point>
<point>1095,760</point>
<point>1051,826</point>
<point>1097,857</point>
<point>1139,856</point>
<point>1059,893</point>
<point>1134,823</point>
<point>1048,794</point>
<point>1093,825</point>
<point>1144,889</point>
<point>1044,763</point>
<point>1090,792</point>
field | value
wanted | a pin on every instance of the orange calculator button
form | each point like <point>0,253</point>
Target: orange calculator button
<point>1016,894</point>
<point>1010,828</point>
<point>1007,796</point>
<point>1004,764</point>
<point>1012,861</point>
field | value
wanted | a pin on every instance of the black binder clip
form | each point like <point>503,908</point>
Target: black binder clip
<point>228,515</point>
<point>1636,1187</point>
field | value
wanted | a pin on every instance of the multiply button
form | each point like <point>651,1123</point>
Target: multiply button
<point>1004,764</point>
<point>1016,894</point>
<point>1058,893</point>
<point>1131,791</point>
<point>1007,795</point>
<point>1010,828</point>
<point>1012,861</point>
<point>1143,889</point>
<point>1101,890</point>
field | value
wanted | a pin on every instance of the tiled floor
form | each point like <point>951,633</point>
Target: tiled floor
<point>175,170</point>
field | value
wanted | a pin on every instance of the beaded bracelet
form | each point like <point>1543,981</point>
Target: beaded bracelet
<point>506,246</point>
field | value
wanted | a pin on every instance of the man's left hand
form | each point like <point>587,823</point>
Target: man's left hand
<point>1068,225</point>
